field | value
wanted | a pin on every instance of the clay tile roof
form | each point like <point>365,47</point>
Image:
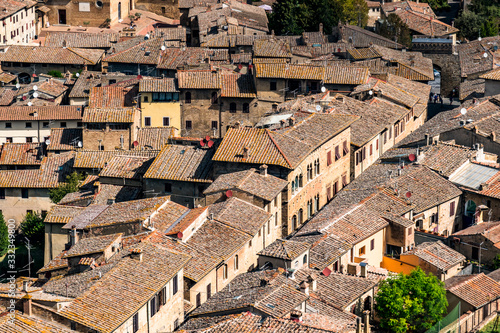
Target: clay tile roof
<point>9,7</point>
<point>96,159</point>
<point>154,137</point>
<point>477,290</point>
<point>126,167</point>
<point>199,79</point>
<point>330,75</point>
<point>285,147</point>
<point>51,55</point>
<point>250,181</point>
<point>364,53</point>
<point>183,163</point>
<point>62,214</point>
<point>107,97</point>
<point>240,215</point>
<point>471,88</point>
<point>27,113</point>
<point>269,48</point>
<point>492,75</point>
<point>238,86</point>
<point>170,215</point>
<point>147,53</point>
<point>127,212</point>
<point>59,262</point>
<point>360,37</point>
<point>128,286</point>
<point>490,230</point>
<point>324,249</point>
<point>64,138</point>
<point>52,88</point>
<point>80,39</point>
<point>20,154</point>
<point>6,77</point>
<point>177,33</point>
<point>177,58</point>
<point>158,85</point>
<point>424,24</point>
<point>52,172</point>
<point>437,254</point>
<point>92,245</point>
<point>6,96</point>
<point>285,249</point>
<point>28,324</point>
<point>109,115</point>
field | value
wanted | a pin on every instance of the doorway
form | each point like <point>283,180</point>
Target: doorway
<point>62,16</point>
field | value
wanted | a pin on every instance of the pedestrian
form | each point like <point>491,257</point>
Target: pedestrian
<point>435,98</point>
<point>451,100</point>
<point>440,99</point>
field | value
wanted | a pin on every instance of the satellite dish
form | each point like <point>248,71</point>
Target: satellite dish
<point>35,94</point>
<point>485,55</point>
<point>139,77</point>
<point>18,86</point>
<point>163,48</point>
<point>146,36</point>
<point>408,194</point>
<point>80,144</point>
<point>77,74</point>
<point>202,143</point>
<point>229,193</point>
<point>135,143</point>
<point>35,87</point>
<point>370,92</point>
<point>30,104</point>
<point>463,111</point>
<point>24,98</point>
<point>326,272</point>
<point>180,235</point>
<point>323,89</point>
<point>479,38</point>
<point>412,157</point>
<point>207,138</point>
<point>318,108</point>
<point>47,142</point>
<point>240,66</point>
<point>210,144</point>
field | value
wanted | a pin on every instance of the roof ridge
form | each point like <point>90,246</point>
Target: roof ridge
<point>277,147</point>
<point>78,54</point>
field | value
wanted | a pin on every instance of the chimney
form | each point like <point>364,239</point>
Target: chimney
<point>291,121</point>
<point>263,170</point>
<point>480,153</point>
<point>358,325</point>
<point>27,305</point>
<point>304,287</point>
<point>364,269</point>
<point>493,136</point>
<point>296,315</point>
<point>312,282</point>
<point>237,125</point>
<point>245,152</point>
<point>427,139</point>
<point>263,282</point>
<point>73,236</point>
<point>136,254</point>
<point>366,320</point>
<point>211,216</point>
<point>282,123</point>
<point>111,200</point>
<point>483,186</point>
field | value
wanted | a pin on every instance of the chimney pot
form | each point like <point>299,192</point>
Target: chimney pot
<point>136,254</point>
<point>263,170</point>
<point>27,305</point>
<point>304,287</point>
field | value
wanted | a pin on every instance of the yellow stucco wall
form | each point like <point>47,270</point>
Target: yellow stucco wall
<point>158,110</point>
<point>396,266</point>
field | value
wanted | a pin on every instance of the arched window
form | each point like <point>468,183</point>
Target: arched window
<point>304,260</point>
<point>294,222</point>
<point>246,108</point>
<point>214,98</point>
<point>187,97</point>
<point>232,107</point>
<point>301,216</point>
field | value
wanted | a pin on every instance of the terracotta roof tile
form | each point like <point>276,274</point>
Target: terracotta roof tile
<point>199,79</point>
<point>51,55</point>
<point>147,52</point>
<point>62,214</point>
<point>437,254</point>
<point>154,137</point>
<point>177,58</point>
<point>126,167</point>
<point>158,85</point>
<point>20,154</point>
<point>238,86</point>
<point>477,290</point>
<point>28,324</point>
<point>96,159</point>
<point>64,138</point>
<point>285,249</point>
<point>81,39</point>
<point>109,115</point>
<point>91,245</point>
<point>56,112</point>
<point>269,48</point>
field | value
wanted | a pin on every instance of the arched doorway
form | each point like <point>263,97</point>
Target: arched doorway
<point>119,10</point>
<point>469,213</point>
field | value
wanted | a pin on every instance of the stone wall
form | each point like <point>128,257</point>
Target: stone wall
<point>450,71</point>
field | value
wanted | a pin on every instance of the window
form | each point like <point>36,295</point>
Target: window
<point>8,125</point>
<point>29,211</point>
<point>232,107</point>
<point>152,306</point>
<point>28,125</point>
<point>304,259</point>
<point>371,149</point>
<point>29,139</point>
<point>345,148</point>
<point>63,124</point>
<point>25,193</point>
<point>344,180</point>
<point>336,187</point>
<point>176,324</point>
<point>452,208</point>
<point>372,245</point>
<point>73,326</point>
<point>198,299</point>
<point>214,124</point>
<point>236,263</point>
<point>390,132</point>
<point>362,251</point>
<point>145,98</point>
<point>214,98</point>
<point>163,10</point>
<point>168,188</point>
<point>376,145</point>
<point>175,287</point>
<point>268,227</point>
<point>224,272</point>
<point>135,323</point>
<point>475,253</point>
<point>209,290</point>
<point>45,124</point>
<point>187,97</point>
<point>316,203</point>
<point>166,121</point>
<point>250,244</point>
<point>2,193</point>
<point>410,231</point>
<point>337,153</point>
<point>101,147</point>
<point>316,166</point>
<point>329,158</point>
<point>246,108</point>
<point>189,124</point>
<point>329,193</point>
<point>147,121</point>
<point>8,140</point>
<point>272,86</point>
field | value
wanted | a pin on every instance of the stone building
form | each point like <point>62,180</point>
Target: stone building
<point>478,242</point>
<point>312,155</point>
<point>160,106</point>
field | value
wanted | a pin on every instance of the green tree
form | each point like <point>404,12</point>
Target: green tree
<point>4,236</point>
<point>411,302</point>
<point>395,29</point>
<point>469,24</point>
<point>33,227</point>
<point>489,27</point>
<point>355,12</point>
<point>72,185</point>
<point>289,17</point>
<point>438,5</point>
<point>55,73</point>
